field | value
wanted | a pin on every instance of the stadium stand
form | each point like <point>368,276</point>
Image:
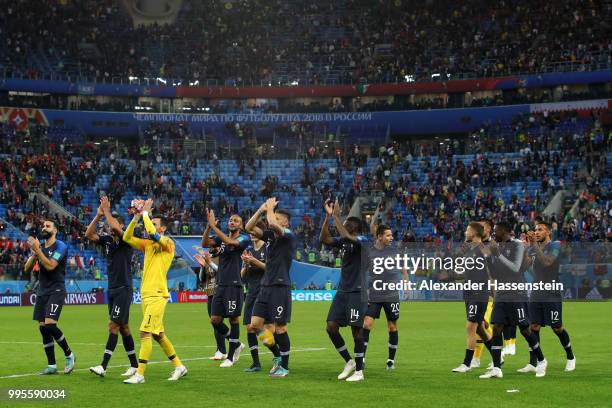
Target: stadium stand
<point>306,42</point>
<point>509,169</point>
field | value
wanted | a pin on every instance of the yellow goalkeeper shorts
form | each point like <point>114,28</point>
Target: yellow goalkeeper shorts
<point>153,309</point>
<point>487,316</point>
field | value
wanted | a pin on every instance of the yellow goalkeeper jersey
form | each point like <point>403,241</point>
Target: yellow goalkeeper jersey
<point>158,257</point>
<point>157,262</point>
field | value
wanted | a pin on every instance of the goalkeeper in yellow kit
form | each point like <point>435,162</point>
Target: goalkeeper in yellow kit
<point>158,255</point>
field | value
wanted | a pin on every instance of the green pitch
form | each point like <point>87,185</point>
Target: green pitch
<point>432,342</point>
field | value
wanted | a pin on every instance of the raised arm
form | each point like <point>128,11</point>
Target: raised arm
<point>111,221</point>
<point>339,226</point>
<point>212,222</point>
<point>373,227</point>
<point>166,243</point>
<point>90,232</point>
<point>325,237</point>
<point>251,225</point>
<point>130,239</point>
<point>278,229</point>
<point>207,242</point>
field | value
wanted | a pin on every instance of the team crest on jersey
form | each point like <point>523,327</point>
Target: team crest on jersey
<point>346,248</point>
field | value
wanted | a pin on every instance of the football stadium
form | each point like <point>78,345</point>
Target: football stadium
<point>217,203</point>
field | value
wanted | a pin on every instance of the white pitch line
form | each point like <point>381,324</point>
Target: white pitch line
<point>155,362</point>
<point>90,344</point>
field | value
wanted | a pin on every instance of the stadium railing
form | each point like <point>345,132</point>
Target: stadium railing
<point>77,76</point>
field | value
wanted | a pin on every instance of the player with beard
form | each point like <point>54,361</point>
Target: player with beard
<point>51,258</point>
<point>546,307</point>
<point>229,295</point>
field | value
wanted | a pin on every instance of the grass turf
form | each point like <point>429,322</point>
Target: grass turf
<point>431,343</point>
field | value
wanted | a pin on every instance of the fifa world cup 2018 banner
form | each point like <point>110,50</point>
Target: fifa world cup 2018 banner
<point>253,117</point>
<point>87,298</point>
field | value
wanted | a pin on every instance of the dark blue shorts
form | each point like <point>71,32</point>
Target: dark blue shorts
<point>347,309</point>
<point>546,313</point>
<point>475,311</point>
<point>392,310</point>
<point>227,301</point>
<point>510,313</point>
<point>119,301</point>
<point>273,304</point>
